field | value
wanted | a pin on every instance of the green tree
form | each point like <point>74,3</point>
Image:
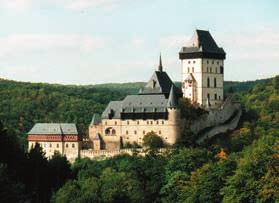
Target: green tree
<point>59,170</point>
<point>247,182</point>
<point>152,140</point>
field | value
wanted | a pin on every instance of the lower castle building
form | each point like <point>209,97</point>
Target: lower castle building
<point>56,137</point>
<point>154,108</point>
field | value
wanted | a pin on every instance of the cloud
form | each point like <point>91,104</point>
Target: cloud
<point>173,41</point>
<point>16,4</point>
<point>259,44</point>
<point>23,43</point>
<point>85,4</point>
<point>67,4</point>
<point>137,42</point>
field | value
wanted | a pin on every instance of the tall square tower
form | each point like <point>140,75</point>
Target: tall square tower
<point>203,70</point>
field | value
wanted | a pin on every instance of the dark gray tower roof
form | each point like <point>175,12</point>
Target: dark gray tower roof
<point>202,45</point>
<point>172,101</point>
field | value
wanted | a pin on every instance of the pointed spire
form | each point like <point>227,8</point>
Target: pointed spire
<point>160,67</point>
<point>172,101</point>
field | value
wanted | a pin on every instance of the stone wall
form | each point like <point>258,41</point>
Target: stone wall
<point>102,154</point>
<point>215,117</point>
<point>220,128</point>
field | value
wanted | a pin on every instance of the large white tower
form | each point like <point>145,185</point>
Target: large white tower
<point>203,70</point>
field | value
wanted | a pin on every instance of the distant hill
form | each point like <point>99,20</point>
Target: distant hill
<point>22,103</point>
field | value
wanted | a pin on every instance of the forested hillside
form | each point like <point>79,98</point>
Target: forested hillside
<point>22,104</point>
<point>240,166</point>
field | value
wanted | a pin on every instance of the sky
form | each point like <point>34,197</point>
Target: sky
<point>106,41</point>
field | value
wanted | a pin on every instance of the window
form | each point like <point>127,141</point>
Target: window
<point>151,122</point>
<point>143,132</point>
<point>194,61</point>
<point>208,82</point>
<point>128,122</point>
<point>162,122</point>
<point>138,122</point>
<point>127,132</point>
<point>219,97</point>
<point>135,132</point>
<point>217,62</point>
<point>159,132</point>
<point>107,131</point>
<point>50,145</point>
<point>193,69</point>
<point>147,122</point>
<point>73,145</point>
<point>57,146</point>
<point>206,69</point>
<point>188,70</point>
<point>215,96</point>
<point>215,83</point>
<point>157,122</point>
<point>216,70</point>
<point>208,96</point>
<point>207,62</point>
<point>210,70</point>
<point>212,61</point>
<point>189,62</point>
<point>221,69</point>
<point>67,145</point>
<point>106,123</point>
<point>115,123</point>
<point>113,132</point>
<point>153,84</point>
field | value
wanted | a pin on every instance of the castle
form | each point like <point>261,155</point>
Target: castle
<point>155,107</point>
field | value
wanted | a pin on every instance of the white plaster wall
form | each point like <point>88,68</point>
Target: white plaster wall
<point>203,69</point>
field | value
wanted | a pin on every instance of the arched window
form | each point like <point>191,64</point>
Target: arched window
<point>215,96</point>
<point>127,132</point>
<point>208,82</point>
<point>135,132</point>
<point>107,131</point>
<point>67,145</point>
<point>215,83</point>
<point>113,132</point>
<point>193,69</point>
<point>73,145</point>
<point>57,146</point>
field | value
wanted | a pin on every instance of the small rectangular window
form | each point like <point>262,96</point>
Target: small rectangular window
<point>221,69</point>
<point>73,145</point>
<point>127,132</point>
<point>193,69</point>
